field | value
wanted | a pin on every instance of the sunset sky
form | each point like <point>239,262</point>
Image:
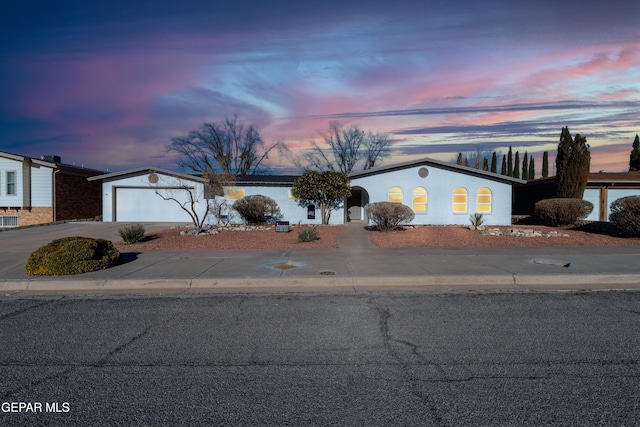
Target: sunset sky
<point>106,84</point>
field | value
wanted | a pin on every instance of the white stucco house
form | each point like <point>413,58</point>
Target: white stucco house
<point>439,193</point>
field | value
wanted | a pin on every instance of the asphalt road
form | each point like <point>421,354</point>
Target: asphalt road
<point>467,358</point>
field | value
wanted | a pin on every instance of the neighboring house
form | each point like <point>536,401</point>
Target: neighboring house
<point>438,192</point>
<point>37,191</point>
<point>602,189</point>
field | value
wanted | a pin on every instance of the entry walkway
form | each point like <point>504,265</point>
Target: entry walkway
<point>356,237</point>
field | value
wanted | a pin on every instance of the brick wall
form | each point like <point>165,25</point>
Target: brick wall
<point>77,198</point>
<point>29,216</point>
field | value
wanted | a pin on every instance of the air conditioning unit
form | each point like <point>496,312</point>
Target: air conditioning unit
<point>51,158</point>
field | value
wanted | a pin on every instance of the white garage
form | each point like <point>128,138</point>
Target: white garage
<point>142,195</point>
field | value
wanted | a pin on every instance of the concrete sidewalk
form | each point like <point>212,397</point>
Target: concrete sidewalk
<point>357,265</point>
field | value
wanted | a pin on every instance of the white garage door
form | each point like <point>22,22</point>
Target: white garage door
<point>144,205</point>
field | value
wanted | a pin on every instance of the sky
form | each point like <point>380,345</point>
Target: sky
<point>107,84</point>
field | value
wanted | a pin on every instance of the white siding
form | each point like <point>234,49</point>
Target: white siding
<point>593,195</point>
<point>41,186</point>
<point>289,208</point>
<point>16,166</point>
<point>440,185</point>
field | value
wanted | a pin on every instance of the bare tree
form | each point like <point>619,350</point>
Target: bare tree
<point>344,149</point>
<point>198,203</point>
<point>228,148</point>
<point>376,147</point>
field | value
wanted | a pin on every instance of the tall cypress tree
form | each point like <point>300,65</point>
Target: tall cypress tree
<point>572,165</point>
<point>525,166</point>
<point>510,162</point>
<point>503,169</point>
<point>516,166</point>
<point>545,164</point>
<point>485,164</point>
<point>532,169</point>
<point>494,163</point>
<point>634,158</point>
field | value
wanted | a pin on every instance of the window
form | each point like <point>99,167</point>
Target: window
<point>460,200</point>
<point>395,195</point>
<point>311,212</point>
<point>234,193</point>
<point>11,183</point>
<point>420,200</point>
<point>483,200</point>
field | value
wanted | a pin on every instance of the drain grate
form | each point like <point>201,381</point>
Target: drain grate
<point>327,273</point>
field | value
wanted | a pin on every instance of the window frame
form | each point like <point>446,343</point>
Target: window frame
<point>425,203</point>
<point>465,203</point>
<point>8,183</point>
<point>398,192</point>
<point>489,194</point>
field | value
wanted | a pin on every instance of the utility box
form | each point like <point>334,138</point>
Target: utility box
<point>282,226</point>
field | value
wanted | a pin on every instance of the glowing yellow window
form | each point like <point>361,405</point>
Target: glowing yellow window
<point>483,200</point>
<point>460,200</point>
<point>234,193</point>
<point>395,195</point>
<point>419,200</point>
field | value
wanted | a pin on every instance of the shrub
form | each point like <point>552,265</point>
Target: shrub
<point>72,255</point>
<point>308,234</point>
<point>554,212</point>
<point>625,212</point>
<point>131,233</point>
<point>257,209</point>
<point>477,219</point>
<point>388,216</point>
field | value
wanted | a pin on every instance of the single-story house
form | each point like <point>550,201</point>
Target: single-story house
<point>602,189</point>
<point>438,192</point>
<point>37,191</point>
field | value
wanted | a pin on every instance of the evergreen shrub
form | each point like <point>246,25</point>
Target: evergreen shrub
<point>389,216</point>
<point>308,234</point>
<point>72,255</point>
<point>257,209</point>
<point>132,233</point>
<point>625,213</point>
<point>555,212</point>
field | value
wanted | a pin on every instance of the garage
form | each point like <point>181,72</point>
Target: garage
<point>144,204</point>
<point>132,196</point>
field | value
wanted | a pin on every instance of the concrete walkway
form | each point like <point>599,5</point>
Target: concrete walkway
<point>356,266</point>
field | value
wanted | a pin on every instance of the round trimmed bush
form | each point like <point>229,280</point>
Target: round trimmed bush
<point>625,213</point>
<point>554,212</point>
<point>257,209</point>
<point>72,255</point>
<point>389,216</point>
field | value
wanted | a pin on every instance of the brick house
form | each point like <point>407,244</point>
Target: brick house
<point>38,191</point>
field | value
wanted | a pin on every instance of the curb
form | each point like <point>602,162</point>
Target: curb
<point>309,283</point>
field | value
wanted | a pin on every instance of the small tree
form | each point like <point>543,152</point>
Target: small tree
<point>525,166</point>
<point>197,203</point>
<point>327,190</point>
<point>634,157</point>
<point>532,169</point>
<point>545,164</point>
<point>572,165</point>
